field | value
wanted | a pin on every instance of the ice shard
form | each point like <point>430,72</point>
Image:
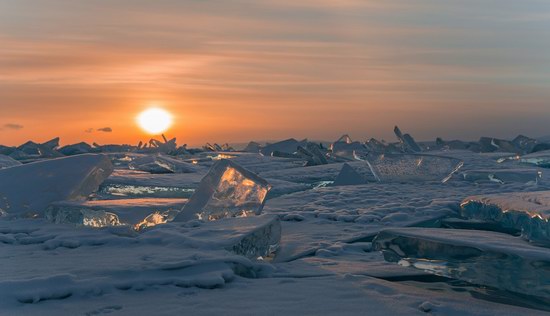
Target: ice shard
<point>528,212</point>
<point>503,175</point>
<point>82,217</point>
<point>161,164</point>
<point>6,162</point>
<point>27,190</point>
<point>479,257</point>
<point>137,213</point>
<point>228,190</point>
<point>412,167</point>
<point>349,176</point>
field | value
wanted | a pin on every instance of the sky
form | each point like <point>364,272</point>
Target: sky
<point>240,70</point>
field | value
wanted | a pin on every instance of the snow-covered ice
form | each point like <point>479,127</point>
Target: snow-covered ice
<point>313,248</point>
<point>479,257</point>
<point>527,212</point>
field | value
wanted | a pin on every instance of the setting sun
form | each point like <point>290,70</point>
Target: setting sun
<point>154,120</point>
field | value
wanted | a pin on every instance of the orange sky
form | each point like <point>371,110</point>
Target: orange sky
<point>233,71</point>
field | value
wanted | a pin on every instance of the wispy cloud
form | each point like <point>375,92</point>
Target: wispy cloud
<point>11,126</point>
<point>105,129</point>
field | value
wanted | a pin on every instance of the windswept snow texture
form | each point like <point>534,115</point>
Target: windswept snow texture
<point>227,190</point>
<point>486,258</point>
<point>528,212</point>
<point>27,190</point>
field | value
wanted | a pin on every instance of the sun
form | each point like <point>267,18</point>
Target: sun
<point>154,120</point>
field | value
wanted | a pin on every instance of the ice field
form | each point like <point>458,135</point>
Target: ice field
<point>292,227</point>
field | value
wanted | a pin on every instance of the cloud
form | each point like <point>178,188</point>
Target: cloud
<point>89,130</point>
<point>12,126</point>
<point>105,129</point>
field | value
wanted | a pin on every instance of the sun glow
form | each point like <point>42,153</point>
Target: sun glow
<point>154,120</point>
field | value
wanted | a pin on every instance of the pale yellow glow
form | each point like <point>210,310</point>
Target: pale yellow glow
<point>154,120</point>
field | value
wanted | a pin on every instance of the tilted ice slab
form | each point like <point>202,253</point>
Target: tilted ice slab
<point>503,175</point>
<point>137,213</point>
<point>412,167</point>
<point>27,190</point>
<point>528,212</point>
<point>161,164</point>
<point>480,257</point>
<point>6,162</point>
<point>227,190</point>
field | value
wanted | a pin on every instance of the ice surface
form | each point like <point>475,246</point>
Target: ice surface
<point>479,257</point>
<point>528,212</point>
<point>137,213</point>
<point>503,175</point>
<point>412,167</point>
<point>6,162</point>
<point>27,190</point>
<point>161,164</point>
<point>227,190</point>
<point>540,159</point>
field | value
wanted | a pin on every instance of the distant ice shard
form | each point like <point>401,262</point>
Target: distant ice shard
<point>503,175</point>
<point>32,150</point>
<point>528,212</point>
<point>345,139</point>
<point>76,149</point>
<point>412,167</point>
<point>27,190</point>
<point>479,257</point>
<point>252,147</point>
<point>407,141</point>
<point>349,176</point>
<point>289,146</point>
<point>6,162</point>
<point>161,164</point>
<point>524,144</point>
<point>228,190</point>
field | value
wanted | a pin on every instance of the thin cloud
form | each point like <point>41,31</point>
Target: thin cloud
<point>105,129</point>
<point>12,126</point>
